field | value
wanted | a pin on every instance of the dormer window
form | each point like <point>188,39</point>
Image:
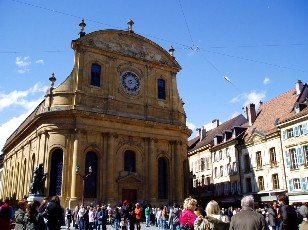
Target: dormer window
<point>96,75</point>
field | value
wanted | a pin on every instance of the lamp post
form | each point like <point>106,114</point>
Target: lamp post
<point>83,180</point>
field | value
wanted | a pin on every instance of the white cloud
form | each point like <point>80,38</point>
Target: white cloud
<point>252,97</point>
<point>191,126</point>
<point>23,105</point>
<point>22,63</point>
<point>266,81</point>
<point>41,61</point>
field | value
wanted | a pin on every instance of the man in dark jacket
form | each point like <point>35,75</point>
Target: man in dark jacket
<point>54,214</point>
<point>288,214</point>
<point>272,217</point>
<point>247,218</point>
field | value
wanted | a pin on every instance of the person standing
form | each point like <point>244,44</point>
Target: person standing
<point>68,214</point>
<point>34,220</point>
<point>81,214</point>
<point>147,212</point>
<point>272,217</point>
<point>174,217</point>
<point>55,214</point>
<point>188,217</point>
<point>138,216</point>
<point>164,217</point>
<point>102,218</point>
<point>6,215</point>
<point>20,223</point>
<point>303,210</point>
<point>214,220</point>
<point>288,214</point>
<point>248,218</point>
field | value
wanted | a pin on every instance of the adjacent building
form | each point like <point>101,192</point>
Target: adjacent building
<point>264,155</point>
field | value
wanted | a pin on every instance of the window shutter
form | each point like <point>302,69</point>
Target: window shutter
<point>290,185</point>
<point>304,128</point>
<point>283,135</point>
<point>304,183</point>
<point>270,183</point>
<point>236,168</point>
<point>299,156</point>
<point>264,158</point>
<point>296,131</point>
<point>287,159</point>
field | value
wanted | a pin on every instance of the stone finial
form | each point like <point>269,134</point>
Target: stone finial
<point>52,80</point>
<point>82,25</point>
<point>130,24</point>
<point>171,51</point>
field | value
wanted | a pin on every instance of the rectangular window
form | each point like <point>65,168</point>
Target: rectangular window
<point>202,164</point>
<point>275,181</point>
<point>261,183</point>
<point>207,163</point>
<point>96,75</point>
<point>161,89</point>
<point>215,172</point>
<point>228,152</point>
<point>259,159</point>
<point>248,185</point>
<point>293,159</point>
<point>247,163</point>
<point>296,184</point>
<point>273,157</point>
<point>221,171</point>
<point>234,168</point>
<point>290,133</point>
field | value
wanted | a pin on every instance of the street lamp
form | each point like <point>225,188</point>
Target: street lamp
<point>83,179</point>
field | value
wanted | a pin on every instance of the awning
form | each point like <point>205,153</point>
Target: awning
<point>298,198</point>
<point>268,198</point>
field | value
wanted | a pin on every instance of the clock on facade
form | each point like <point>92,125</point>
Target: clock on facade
<point>130,82</point>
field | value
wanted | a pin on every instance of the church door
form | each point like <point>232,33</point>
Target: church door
<point>130,195</point>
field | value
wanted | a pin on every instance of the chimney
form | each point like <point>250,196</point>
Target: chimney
<point>245,113</point>
<point>203,132</point>
<point>251,113</point>
<point>215,123</point>
<point>298,87</point>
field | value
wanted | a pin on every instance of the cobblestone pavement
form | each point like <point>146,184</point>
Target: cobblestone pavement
<point>109,227</point>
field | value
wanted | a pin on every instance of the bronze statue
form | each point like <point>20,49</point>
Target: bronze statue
<point>39,177</point>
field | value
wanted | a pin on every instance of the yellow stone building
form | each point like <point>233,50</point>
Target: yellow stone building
<point>118,112</point>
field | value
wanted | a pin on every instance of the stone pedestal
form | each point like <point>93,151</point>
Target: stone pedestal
<point>37,197</point>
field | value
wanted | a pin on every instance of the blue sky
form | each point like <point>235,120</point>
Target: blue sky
<point>261,46</point>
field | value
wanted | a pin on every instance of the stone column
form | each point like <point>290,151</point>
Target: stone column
<point>152,179</point>
<point>75,138</point>
<point>111,186</point>
<point>178,172</point>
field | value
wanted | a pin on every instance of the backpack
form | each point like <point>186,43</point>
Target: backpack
<point>299,217</point>
<point>5,212</point>
<point>175,216</point>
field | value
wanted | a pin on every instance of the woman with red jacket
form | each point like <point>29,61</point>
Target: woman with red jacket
<point>188,216</point>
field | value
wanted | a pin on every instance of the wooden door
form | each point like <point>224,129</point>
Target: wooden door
<point>130,195</point>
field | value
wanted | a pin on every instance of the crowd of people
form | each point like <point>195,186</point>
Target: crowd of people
<point>50,215</point>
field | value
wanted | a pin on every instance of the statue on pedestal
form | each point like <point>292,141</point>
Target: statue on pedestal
<point>38,181</point>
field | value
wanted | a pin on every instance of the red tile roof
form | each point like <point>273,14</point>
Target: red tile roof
<point>209,136</point>
<point>271,112</point>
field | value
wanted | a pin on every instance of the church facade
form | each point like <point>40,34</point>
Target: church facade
<point>117,118</point>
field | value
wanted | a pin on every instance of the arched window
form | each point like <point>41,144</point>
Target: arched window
<point>96,75</point>
<point>129,161</point>
<point>161,89</point>
<point>90,181</point>
<point>56,172</point>
<point>162,178</point>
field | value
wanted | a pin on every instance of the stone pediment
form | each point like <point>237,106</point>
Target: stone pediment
<point>128,44</point>
<point>130,178</point>
<point>256,137</point>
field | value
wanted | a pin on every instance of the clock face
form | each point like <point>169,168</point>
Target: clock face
<point>130,82</point>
